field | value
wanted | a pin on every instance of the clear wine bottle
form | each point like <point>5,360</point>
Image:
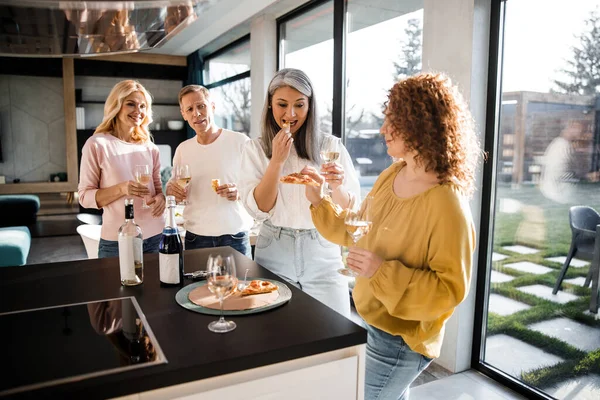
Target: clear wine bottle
<point>131,241</point>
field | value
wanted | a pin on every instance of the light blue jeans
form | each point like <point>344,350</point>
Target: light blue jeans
<point>110,248</point>
<point>308,261</point>
<point>391,366</point>
<point>240,241</point>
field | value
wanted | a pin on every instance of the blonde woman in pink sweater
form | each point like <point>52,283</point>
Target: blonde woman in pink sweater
<point>108,160</point>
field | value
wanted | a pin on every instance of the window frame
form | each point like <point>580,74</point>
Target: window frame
<point>488,202</point>
<point>223,50</point>
<point>338,119</point>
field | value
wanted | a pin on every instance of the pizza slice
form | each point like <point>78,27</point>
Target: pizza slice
<point>258,286</point>
<point>215,183</point>
<point>299,179</point>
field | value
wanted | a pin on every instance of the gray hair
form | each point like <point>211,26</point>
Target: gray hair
<point>307,140</point>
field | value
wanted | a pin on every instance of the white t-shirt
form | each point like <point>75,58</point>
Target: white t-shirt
<point>557,181</point>
<point>207,213</point>
<point>291,208</point>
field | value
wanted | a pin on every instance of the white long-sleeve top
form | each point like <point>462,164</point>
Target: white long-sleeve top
<point>291,208</point>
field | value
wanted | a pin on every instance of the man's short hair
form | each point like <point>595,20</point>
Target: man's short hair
<point>191,89</point>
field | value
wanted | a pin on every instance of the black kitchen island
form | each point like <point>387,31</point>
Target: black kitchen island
<point>299,348</point>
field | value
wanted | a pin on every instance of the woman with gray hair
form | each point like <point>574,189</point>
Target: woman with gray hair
<point>288,243</point>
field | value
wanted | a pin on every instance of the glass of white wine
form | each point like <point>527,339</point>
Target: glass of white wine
<point>183,177</point>
<point>143,176</point>
<point>330,153</point>
<point>222,280</point>
<point>358,224</point>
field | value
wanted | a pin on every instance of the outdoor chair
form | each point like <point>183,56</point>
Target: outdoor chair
<point>583,221</point>
<point>595,273</point>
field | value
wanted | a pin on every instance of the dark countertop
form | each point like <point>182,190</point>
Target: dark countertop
<point>300,328</point>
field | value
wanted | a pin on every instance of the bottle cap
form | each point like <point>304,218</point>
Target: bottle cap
<point>171,201</point>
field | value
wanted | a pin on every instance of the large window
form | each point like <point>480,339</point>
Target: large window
<point>383,45</point>
<point>539,329</point>
<point>306,43</point>
<point>227,74</point>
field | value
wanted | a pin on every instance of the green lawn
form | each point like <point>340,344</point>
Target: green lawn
<point>524,216</point>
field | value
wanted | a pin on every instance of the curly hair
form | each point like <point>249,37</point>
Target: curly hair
<point>429,114</point>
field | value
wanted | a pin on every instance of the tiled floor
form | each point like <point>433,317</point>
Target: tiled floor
<point>468,385</point>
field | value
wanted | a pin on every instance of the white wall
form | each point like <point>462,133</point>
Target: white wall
<point>33,128</point>
<point>263,65</point>
<point>456,41</point>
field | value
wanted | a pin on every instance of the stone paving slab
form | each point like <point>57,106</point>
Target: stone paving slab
<point>577,263</point>
<point>579,281</point>
<point>498,257</point>
<point>514,356</point>
<point>582,388</point>
<point>545,292</point>
<point>504,306</point>
<point>529,267</point>
<point>499,277</point>
<point>581,336</point>
<point>521,249</point>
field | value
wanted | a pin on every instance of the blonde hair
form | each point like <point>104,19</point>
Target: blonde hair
<point>113,105</point>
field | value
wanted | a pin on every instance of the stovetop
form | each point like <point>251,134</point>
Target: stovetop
<point>48,346</point>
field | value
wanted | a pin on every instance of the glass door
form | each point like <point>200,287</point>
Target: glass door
<point>540,328</point>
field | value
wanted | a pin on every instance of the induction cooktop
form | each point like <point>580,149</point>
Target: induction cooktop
<point>55,345</point>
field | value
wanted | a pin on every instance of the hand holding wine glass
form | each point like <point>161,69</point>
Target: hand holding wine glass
<point>143,176</point>
<point>358,224</point>
<point>222,280</point>
<point>330,153</point>
<point>183,176</point>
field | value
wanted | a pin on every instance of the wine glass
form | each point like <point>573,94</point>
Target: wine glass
<point>142,175</point>
<point>221,278</point>
<point>330,153</point>
<point>183,176</point>
<point>358,224</point>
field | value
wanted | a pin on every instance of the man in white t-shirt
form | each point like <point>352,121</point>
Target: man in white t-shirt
<point>558,180</point>
<point>213,216</point>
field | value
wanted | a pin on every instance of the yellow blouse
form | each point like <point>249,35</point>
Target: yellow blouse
<point>427,243</point>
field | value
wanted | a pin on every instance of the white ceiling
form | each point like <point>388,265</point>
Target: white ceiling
<point>223,22</point>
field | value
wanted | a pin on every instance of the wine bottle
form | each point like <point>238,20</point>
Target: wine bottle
<point>131,241</point>
<point>170,250</point>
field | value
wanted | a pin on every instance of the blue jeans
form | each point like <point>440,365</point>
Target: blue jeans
<point>110,248</point>
<point>240,241</point>
<point>307,260</point>
<point>391,366</point>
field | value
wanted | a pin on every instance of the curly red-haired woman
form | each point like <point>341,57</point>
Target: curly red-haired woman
<point>414,267</point>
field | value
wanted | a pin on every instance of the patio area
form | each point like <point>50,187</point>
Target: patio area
<point>549,341</point>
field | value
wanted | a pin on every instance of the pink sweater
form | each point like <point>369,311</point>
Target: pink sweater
<point>107,161</point>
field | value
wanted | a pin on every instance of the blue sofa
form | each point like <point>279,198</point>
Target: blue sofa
<point>16,212</point>
<point>15,242</point>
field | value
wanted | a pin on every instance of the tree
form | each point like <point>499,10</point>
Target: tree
<point>410,63</point>
<point>583,70</point>
<point>237,99</point>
